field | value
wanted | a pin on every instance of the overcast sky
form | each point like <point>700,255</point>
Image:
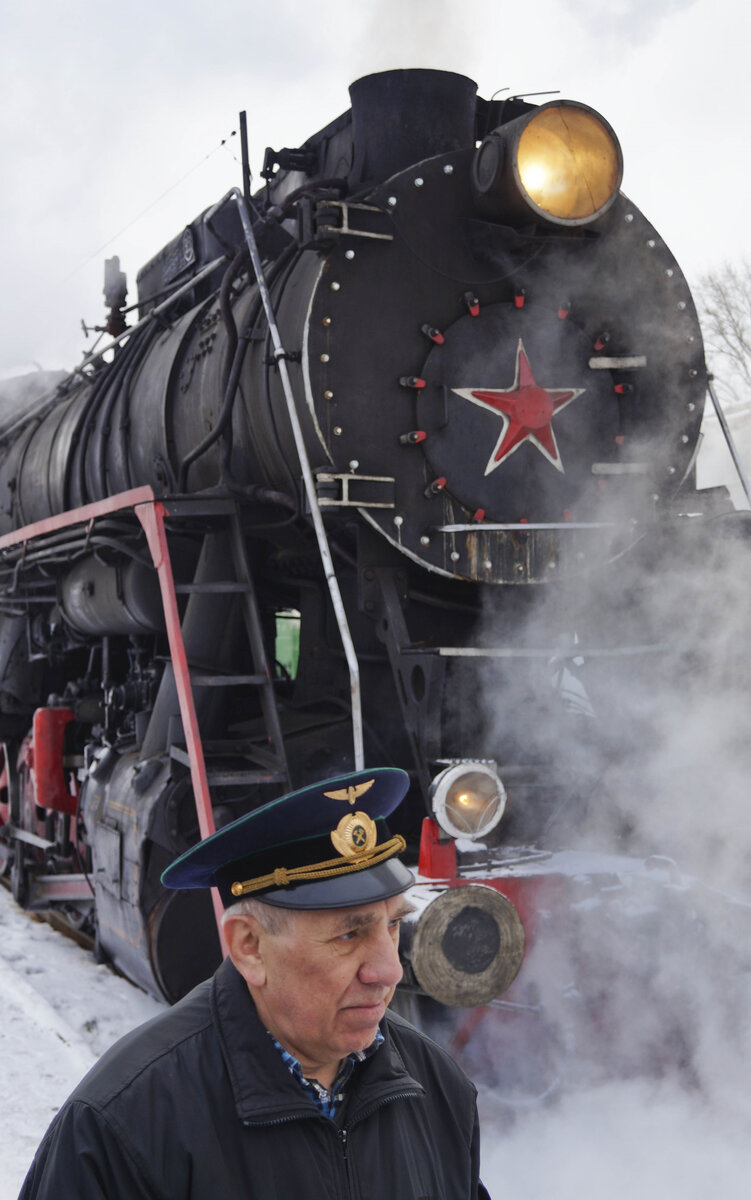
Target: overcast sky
<point>105,108</point>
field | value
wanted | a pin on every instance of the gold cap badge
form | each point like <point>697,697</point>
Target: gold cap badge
<point>351,793</point>
<point>355,835</point>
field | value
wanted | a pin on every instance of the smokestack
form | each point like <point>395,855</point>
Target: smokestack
<point>401,117</point>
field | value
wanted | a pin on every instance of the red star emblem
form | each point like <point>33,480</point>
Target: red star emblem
<point>527,411</point>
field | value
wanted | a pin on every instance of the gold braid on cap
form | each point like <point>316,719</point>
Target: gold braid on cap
<point>285,876</point>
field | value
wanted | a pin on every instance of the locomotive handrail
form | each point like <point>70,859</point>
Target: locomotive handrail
<point>280,357</point>
<point>492,526</point>
<point>729,439</point>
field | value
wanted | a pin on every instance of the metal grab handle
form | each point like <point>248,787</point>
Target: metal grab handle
<point>310,490</point>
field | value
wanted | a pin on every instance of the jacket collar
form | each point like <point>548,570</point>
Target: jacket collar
<point>264,1090</point>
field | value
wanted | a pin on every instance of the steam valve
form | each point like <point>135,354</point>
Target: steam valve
<point>434,334</point>
<point>436,486</point>
<point>412,381</point>
<point>472,303</point>
<point>413,437</point>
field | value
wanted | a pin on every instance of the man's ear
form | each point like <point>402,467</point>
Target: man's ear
<point>244,938</point>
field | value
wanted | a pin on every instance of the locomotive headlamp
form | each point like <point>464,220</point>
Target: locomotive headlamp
<point>560,162</point>
<point>468,799</point>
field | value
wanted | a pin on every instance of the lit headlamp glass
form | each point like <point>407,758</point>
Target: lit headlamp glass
<point>560,162</point>
<point>468,799</point>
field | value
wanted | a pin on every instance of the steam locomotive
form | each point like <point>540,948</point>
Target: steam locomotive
<point>379,473</point>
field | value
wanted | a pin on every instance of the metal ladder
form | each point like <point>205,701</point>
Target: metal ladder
<point>260,760</point>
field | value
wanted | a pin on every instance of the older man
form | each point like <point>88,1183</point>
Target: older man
<point>284,1076</point>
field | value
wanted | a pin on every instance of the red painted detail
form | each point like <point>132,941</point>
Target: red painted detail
<point>622,389</point>
<point>602,340</point>
<point>78,516</point>
<point>413,437</point>
<point>472,303</point>
<point>479,515</point>
<point>563,311</point>
<point>152,517</point>
<point>437,859</point>
<point>434,334</point>
<point>526,409</point>
<point>620,439</point>
<point>519,298</point>
<point>45,760</point>
<point>412,381</point>
<point>436,486</point>
<point>567,514</point>
<point>524,520</point>
<point>602,484</point>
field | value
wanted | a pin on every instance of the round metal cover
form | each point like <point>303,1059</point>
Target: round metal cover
<point>468,946</point>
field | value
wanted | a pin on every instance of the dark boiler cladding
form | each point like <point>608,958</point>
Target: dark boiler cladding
<point>394,464</point>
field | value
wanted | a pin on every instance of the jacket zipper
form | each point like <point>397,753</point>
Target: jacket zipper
<point>343,1135</point>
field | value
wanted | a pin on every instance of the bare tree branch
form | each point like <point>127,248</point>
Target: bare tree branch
<point>725,312</point>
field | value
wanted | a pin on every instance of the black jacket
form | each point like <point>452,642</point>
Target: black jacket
<point>198,1104</point>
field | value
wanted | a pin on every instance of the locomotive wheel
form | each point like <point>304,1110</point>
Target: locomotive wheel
<point>18,875</point>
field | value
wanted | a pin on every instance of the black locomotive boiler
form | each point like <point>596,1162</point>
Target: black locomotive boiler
<point>374,476</point>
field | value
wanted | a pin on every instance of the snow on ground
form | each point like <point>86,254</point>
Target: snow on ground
<point>642,1138</point>
<point>60,1011</point>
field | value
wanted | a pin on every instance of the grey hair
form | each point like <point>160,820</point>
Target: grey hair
<point>273,920</point>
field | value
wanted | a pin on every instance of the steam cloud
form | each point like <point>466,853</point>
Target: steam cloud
<point>636,1074</point>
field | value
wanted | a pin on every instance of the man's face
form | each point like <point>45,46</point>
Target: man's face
<point>322,984</point>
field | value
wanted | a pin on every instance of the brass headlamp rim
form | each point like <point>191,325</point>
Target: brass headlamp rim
<point>497,183</point>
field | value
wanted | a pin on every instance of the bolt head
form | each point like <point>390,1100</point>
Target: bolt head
<point>349,254</point>
<point>398,521</point>
<point>419,181</point>
<point>353,464</point>
<point>392,201</point>
<point>335,286</point>
<point>448,169</point>
<point>337,431</point>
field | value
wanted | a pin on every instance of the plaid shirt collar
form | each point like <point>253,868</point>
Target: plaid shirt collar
<point>328,1102</point>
